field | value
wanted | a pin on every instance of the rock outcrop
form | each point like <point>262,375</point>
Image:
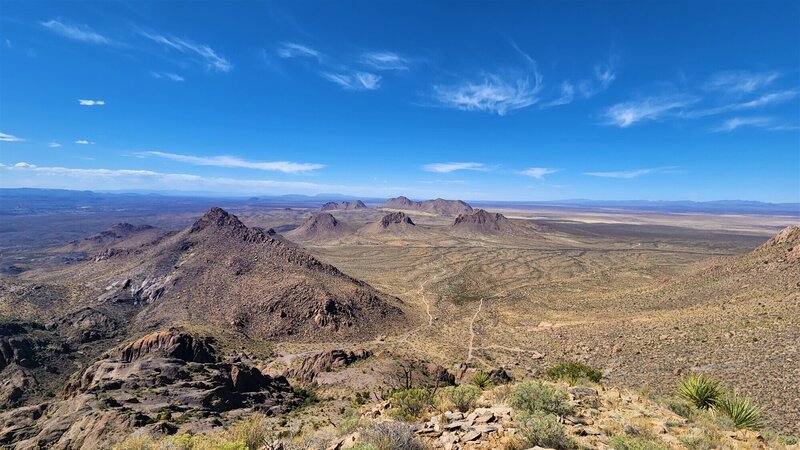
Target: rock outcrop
<point>437,206</point>
<point>343,206</point>
<point>319,226</point>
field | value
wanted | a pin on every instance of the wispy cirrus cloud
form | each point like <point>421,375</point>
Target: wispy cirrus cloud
<point>77,33</point>
<point>292,50</point>
<point>355,81</point>
<point>54,144</point>
<point>384,60</point>
<point>740,82</point>
<point>234,162</point>
<point>91,102</point>
<point>567,96</point>
<point>497,94</point>
<point>454,166</point>
<point>627,174</point>
<point>761,101</point>
<point>649,108</point>
<point>167,76</point>
<point>4,137</point>
<point>538,172</point>
<point>84,142</point>
<point>768,123</point>
<point>206,54</point>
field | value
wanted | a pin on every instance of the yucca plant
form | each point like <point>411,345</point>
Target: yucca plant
<point>700,390</point>
<point>741,410</point>
<point>481,380</point>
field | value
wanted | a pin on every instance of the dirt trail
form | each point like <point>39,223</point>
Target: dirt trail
<point>472,330</point>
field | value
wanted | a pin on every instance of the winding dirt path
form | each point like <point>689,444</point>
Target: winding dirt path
<point>472,330</point>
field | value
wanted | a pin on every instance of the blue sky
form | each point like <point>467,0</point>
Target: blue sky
<point>486,101</point>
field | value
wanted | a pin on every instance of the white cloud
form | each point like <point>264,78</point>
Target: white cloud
<point>292,50</point>
<point>84,34</point>
<point>567,96</point>
<point>9,138</point>
<point>54,144</point>
<point>649,108</point>
<point>210,57</point>
<point>758,102</point>
<point>538,172</point>
<point>357,81</point>
<point>496,94</point>
<point>768,123</point>
<point>384,61</point>
<point>624,173</point>
<point>23,165</point>
<point>84,142</point>
<point>167,75</point>
<point>740,82</point>
<point>605,74</point>
<point>231,161</point>
<point>91,102</point>
<point>454,166</point>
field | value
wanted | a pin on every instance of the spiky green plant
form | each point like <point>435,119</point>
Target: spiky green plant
<point>700,390</point>
<point>741,410</point>
<point>481,380</point>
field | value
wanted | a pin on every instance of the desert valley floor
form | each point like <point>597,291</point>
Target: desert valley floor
<point>647,297</point>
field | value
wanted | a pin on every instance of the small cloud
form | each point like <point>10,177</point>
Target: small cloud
<point>740,82</point>
<point>761,101</point>
<point>232,161</point>
<point>627,174</point>
<point>538,172</point>
<point>649,108</point>
<point>454,166</point>
<point>384,61</point>
<point>357,81</point>
<point>292,50</point>
<point>767,123</point>
<point>495,94</point>
<point>567,96</point>
<point>167,75</point>
<point>54,144</point>
<point>76,33</point>
<point>9,138</point>
<point>24,165</point>
<point>605,75</point>
<point>84,142</point>
<point>91,102</point>
<point>207,54</point>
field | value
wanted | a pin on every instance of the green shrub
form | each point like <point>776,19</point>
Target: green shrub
<point>634,443</point>
<point>481,380</point>
<point>680,408</point>
<point>742,412</point>
<point>140,442</point>
<point>544,430</point>
<point>462,398</point>
<point>700,390</point>
<point>573,373</point>
<point>408,404</point>
<point>390,436</point>
<point>535,396</point>
<point>253,432</point>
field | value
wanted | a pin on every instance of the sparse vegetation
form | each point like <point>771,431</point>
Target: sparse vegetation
<point>700,390</point>
<point>408,404</point>
<point>462,398</point>
<point>573,373</point>
<point>537,397</point>
<point>390,436</point>
<point>741,410</point>
<point>481,380</point>
<point>544,430</point>
<point>635,443</point>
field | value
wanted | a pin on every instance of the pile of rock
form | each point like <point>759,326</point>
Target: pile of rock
<point>480,429</point>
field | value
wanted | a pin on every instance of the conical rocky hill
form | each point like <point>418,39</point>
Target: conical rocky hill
<point>318,226</point>
<point>396,223</point>
<point>436,206</point>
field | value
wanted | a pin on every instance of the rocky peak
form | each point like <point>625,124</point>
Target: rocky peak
<point>395,217</point>
<point>480,216</point>
<point>172,344</point>
<point>789,235</point>
<point>218,217</point>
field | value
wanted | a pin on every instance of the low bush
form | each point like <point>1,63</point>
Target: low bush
<point>573,373</point>
<point>390,436</point>
<point>253,432</point>
<point>700,390</point>
<point>462,398</point>
<point>741,410</point>
<point>544,430</point>
<point>534,397</point>
<point>634,443</point>
<point>408,404</point>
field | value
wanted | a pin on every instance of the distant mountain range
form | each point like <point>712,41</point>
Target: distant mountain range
<point>18,200</point>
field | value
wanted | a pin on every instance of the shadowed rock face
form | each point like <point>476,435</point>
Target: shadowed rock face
<point>171,344</point>
<point>325,361</point>
<point>436,206</point>
<point>395,218</point>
